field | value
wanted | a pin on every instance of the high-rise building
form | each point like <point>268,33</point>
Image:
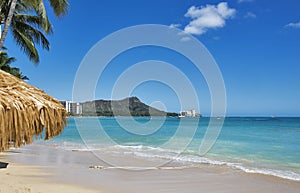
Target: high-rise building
<point>189,113</point>
<point>74,108</point>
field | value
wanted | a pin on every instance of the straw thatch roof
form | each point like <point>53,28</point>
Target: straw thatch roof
<point>25,112</point>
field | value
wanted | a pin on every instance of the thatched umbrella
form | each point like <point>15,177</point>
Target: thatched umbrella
<point>25,112</point>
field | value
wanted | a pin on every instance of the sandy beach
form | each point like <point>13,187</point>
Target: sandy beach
<point>149,96</point>
<point>38,168</point>
<point>24,178</point>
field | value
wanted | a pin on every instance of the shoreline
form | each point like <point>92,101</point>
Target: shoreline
<point>38,168</point>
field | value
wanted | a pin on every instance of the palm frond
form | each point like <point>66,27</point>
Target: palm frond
<point>5,62</point>
<point>27,45</point>
<point>30,23</point>
<point>32,33</point>
<point>37,6</point>
<point>60,7</point>
<point>35,21</point>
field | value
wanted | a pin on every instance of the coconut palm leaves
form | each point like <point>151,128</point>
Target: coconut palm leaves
<point>60,7</point>
<point>5,62</point>
<point>27,36</point>
<point>27,30</point>
<point>29,23</point>
<point>8,17</point>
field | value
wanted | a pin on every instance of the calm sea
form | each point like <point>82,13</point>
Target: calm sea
<point>255,144</point>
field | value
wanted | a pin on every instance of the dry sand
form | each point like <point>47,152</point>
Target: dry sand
<point>27,179</point>
<point>39,169</point>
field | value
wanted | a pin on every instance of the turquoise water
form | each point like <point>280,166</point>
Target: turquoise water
<point>255,145</point>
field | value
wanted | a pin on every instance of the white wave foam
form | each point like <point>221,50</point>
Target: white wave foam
<point>150,152</point>
<point>278,173</point>
<point>290,175</point>
<point>140,148</point>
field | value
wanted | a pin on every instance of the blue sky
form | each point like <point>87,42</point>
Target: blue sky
<point>255,43</point>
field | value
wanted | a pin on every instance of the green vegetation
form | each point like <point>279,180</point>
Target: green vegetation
<point>120,108</point>
<point>5,62</point>
<point>29,24</point>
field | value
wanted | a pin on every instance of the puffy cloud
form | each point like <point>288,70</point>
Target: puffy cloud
<point>206,17</point>
<point>293,25</point>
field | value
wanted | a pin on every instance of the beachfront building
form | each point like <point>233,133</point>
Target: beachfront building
<point>74,108</point>
<point>189,113</point>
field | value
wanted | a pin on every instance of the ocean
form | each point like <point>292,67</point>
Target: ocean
<point>261,145</point>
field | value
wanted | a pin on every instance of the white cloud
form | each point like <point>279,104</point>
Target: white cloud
<point>206,17</point>
<point>293,25</point>
<point>185,39</point>
<point>250,15</point>
<point>243,1</point>
<point>175,25</point>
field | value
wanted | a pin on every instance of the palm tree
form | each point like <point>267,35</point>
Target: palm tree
<point>8,19</point>
<point>26,35</point>
<point>27,31</point>
<point>5,62</point>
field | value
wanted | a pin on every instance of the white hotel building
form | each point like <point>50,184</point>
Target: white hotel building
<point>74,108</point>
<point>189,113</point>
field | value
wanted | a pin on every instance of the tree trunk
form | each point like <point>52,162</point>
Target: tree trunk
<point>8,22</point>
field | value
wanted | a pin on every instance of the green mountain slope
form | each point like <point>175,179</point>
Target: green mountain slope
<point>131,106</point>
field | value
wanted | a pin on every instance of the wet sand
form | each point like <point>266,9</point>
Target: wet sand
<point>38,168</point>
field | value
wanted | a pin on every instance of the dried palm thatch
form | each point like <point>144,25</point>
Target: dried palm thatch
<point>25,112</point>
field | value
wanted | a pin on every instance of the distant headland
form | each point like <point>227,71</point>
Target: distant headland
<point>131,106</point>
